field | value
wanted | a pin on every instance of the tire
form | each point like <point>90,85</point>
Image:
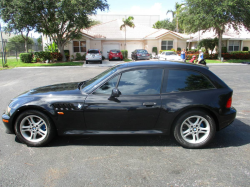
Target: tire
<point>194,129</point>
<point>100,62</point>
<point>87,62</point>
<point>38,129</point>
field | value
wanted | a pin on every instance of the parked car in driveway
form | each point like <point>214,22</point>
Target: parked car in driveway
<point>115,54</point>
<point>151,97</point>
<point>94,55</point>
<point>169,55</point>
<point>140,54</point>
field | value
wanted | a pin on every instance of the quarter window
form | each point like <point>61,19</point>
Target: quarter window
<point>184,80</point>
<point>79,46</point>
<point>167,45</point>
<point>141,82</point>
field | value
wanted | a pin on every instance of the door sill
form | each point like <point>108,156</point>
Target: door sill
<point>96,132</point>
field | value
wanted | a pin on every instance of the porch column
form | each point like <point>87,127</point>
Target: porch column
<point>159,45</point>
<point>241,45</point>
<point>227,45</point>
<point>175,44</point>
<point>87,44</point>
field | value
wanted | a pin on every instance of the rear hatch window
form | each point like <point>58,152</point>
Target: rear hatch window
<point>115,51</point>
<point>93,51</point>
<point>142,51</point>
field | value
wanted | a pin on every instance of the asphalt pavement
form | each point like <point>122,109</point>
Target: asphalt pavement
<point>125,160</point>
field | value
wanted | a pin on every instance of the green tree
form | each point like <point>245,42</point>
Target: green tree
<point>208,44</point>
<point>164,24</point>
<point>20,17</point>
<point>18,42</point>
<point>62,20</point>
<point>175,14</point>
<point>216,15</point>
<point>127,22</point>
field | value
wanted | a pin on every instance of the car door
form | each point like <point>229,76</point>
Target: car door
<point>137,107</point>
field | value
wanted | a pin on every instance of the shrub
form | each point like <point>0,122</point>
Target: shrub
<point>103,57</point>
<point>224,50</point>
<point>26,57</point>
<point>124,54</point>
<point>178,49</point>
<point>78,56</point>
<point>154,50</point>
<point>43,55</point>
<point>57,56</point>
<point>245,49</point>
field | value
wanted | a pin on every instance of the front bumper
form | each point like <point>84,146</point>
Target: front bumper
<point>227,118</point>
<point>7,123</point>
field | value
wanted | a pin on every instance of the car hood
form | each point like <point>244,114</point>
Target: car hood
<point>55,90</point>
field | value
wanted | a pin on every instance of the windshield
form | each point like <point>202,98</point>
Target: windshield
<point>114,51</point>
<point>99,78</point>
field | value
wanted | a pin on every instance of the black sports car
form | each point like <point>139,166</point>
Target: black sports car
<point>185,99</point>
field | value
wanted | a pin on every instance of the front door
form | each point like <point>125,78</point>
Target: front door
<point>137,108</point>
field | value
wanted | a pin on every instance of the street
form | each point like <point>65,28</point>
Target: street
<point>125,160</point>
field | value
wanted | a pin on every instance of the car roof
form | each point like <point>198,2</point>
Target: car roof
<point>161,64</point>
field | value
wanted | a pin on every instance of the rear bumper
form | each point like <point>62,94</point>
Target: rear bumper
<point>227,118</point>
<point>93,60</point>
<point>143,57</point>
<point>116,58</point>
<point>7,123</point>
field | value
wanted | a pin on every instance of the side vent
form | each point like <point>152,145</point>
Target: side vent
<point>63,106</point>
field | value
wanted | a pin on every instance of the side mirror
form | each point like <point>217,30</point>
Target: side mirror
<point>115,93</point>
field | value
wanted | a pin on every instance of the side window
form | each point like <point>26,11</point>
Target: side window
<point>185,80</point>
<point>141,82</point>
<point>108,86</point>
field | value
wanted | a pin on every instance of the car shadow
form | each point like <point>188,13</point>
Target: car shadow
<point>236,135</point>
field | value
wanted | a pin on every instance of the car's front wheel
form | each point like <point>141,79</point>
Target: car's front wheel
<point>87,62</point>
<point>34,128</point>
<point>194,129</point>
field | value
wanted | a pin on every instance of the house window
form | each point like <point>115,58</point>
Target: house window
<point>167,45</point>
<point>79,46</point>
<point>234,45</point>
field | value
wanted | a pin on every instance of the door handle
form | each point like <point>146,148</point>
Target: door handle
<point>148,104</point>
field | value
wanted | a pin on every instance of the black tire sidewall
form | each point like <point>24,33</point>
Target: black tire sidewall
<point>50,128</point>
<point>177,133</point>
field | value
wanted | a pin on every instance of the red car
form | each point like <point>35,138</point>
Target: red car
<point>115,54</point>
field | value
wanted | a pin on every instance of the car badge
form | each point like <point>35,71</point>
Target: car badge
<point>79,106</point>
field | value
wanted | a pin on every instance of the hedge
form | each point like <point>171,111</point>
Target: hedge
<point>44,55</point>
<point>124,54</point>
<point>154,50</point>
<point>26,57</point>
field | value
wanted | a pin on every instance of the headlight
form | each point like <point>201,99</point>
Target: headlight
<point>7,110</point>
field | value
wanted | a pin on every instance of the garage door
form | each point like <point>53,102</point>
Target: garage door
<point>108,47</point>
<point>133,46</point>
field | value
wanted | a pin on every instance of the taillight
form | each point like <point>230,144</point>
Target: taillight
<point>100,53</point>
<point>229,103</point>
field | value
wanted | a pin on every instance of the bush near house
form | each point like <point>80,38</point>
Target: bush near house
<point>245,49</point>
<point>57,56</point>
<point>236,55</point>
<point>44,55</point>
<point>154,50</point>
<point>124,54</point>
<point>26,57</point>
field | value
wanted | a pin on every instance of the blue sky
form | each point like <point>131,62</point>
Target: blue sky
<point>141,7</point>
<point>138,7</point>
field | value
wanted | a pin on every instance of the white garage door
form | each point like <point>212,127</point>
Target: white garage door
<point>133,46</point>
<point>108,47</point>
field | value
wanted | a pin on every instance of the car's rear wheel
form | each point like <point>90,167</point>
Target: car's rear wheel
<point>34,128</point>
<point>100,62</point>
<point>87,62</point>
<point>194,129</point>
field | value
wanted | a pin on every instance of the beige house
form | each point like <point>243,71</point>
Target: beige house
<point>233,40</point>
<point>107,36</point>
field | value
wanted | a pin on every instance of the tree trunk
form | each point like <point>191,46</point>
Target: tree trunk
<point>26,43</point>
<point>61,48</point>
<point>219,44</point>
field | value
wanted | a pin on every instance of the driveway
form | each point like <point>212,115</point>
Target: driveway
<point>125,160</point>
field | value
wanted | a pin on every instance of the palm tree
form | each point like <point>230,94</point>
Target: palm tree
<point>178,9</point>
<point>127,22</point>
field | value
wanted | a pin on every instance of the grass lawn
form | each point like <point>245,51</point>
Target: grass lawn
<point>12,63</point>
<point>228,61</point>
